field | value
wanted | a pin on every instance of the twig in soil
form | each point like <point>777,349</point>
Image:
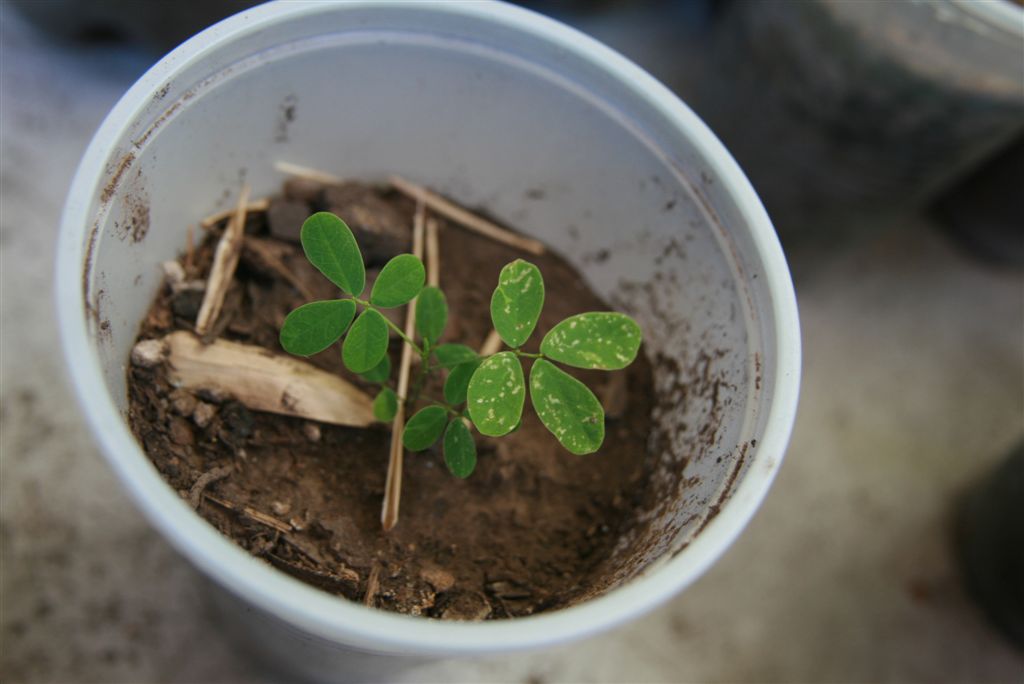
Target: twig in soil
<point>372,586</point>
<point>190,248</point>
<point>329,581</point>
<point>433,254</point>
<point>253,207</point>
<point>393,485</point>
<point>225,260</point>
<point>251,513</point>
<point>263,380</point>
<point>195,495</point>
<point>308,173</point>
<point>260,250</point>
<point>465,218</point>
<point>491,345</point>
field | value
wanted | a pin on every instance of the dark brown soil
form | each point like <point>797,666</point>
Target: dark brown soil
<point>527,532</point>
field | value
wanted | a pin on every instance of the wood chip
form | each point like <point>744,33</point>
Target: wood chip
<point>148,353</point>
<point>250,208</point>
<point>491,345</point>
<point>225,260</point>
<point>307,173</point>
<point>251,513</point>
<point>466,218</point>
<point>393,484</point>
<point>263,380</point>
<point>372,586</point>
<point>433,254</point>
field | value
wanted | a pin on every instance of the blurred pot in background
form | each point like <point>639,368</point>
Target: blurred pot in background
<point>846,111</point>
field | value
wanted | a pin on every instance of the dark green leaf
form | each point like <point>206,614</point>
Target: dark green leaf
<point>451,355</point>
<point>399,281</point>
<point>385,406</point>
<point>458,382</point>
<point>431,313</point>
<point>517,301</point>
<point>380,372</point>
<point>459,449</point>
<point>366,343</point>
<point>313,327</point>
<point>567,408</point>
<point>424,428</point>
<point>331,247</point>
<point>496,394</point>
<point>604,340</point>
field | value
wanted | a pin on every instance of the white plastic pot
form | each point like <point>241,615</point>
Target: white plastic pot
<point>502,109</point>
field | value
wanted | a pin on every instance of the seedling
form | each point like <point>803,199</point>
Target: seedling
<point>487,393</point>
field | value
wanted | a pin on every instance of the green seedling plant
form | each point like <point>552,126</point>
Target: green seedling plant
<point>485,393</point>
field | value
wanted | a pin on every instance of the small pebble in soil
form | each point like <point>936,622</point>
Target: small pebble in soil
<point>148,353</point>
<point>312,431</point>
<point>441,580</point>
<point>203,414</point>
<point>182,402</point>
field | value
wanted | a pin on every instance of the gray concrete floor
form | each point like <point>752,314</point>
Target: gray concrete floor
<point>913,387</point>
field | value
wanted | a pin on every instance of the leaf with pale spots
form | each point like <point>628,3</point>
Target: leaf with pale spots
<point>496,394</point>
<point>313,327</point>
<point>330,246</point>
<point>399,281</point>
<point>517,302</point>
<point>451,355</point>
<point>385,405</point>
<point>459,449</point>
<point>380,372</point>
<point>366,343</point>
<point>431,313</point>
<point>424,428</point>
<point>604,340</point>
<point>567,408</point>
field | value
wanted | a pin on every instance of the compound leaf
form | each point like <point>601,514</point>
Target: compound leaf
<point>604,340</point>
<point>567,408</point>
<point>517,302</point>
<point>313,327</point>
<point>366,343</point>
<point>331,247</point>
<point>496,394</point>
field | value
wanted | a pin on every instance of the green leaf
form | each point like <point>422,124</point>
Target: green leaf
<point>457,383</point>
<point>459,449</point>
<point>385,406</point>
<point>431,313</point>
<point>331,247</point>
<point>399,281</point>
<point>517,301</point>
<point>424,428</point>
<point>313,327</point>
<point>567,408</point>
<point>451,355</point>
<point>496,394</point>
<point>604,340</point>
<point>380,372</point>
<point>366,343</point>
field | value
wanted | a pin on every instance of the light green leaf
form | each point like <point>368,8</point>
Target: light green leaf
<point>330,246</point>
<point>517,301</point>
<point>451,355</point>
<point>399,281</point>
<point>459,449</point>
<point>424,428</point>
<point>431,313</point>
<point>380,372</point>
<point>457,383</point>
<point>385,406</point>
<point>604,340</point>
<point>366,343</point>
<point>496,394</point>
<point>567,408</point>
<point>313,327</point>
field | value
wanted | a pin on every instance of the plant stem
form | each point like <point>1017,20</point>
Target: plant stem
<point>527,355</point>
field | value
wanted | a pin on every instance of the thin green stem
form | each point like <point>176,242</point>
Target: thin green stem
<point>527,355</point>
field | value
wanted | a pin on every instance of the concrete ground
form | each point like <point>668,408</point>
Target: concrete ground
<point>913,387</point>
